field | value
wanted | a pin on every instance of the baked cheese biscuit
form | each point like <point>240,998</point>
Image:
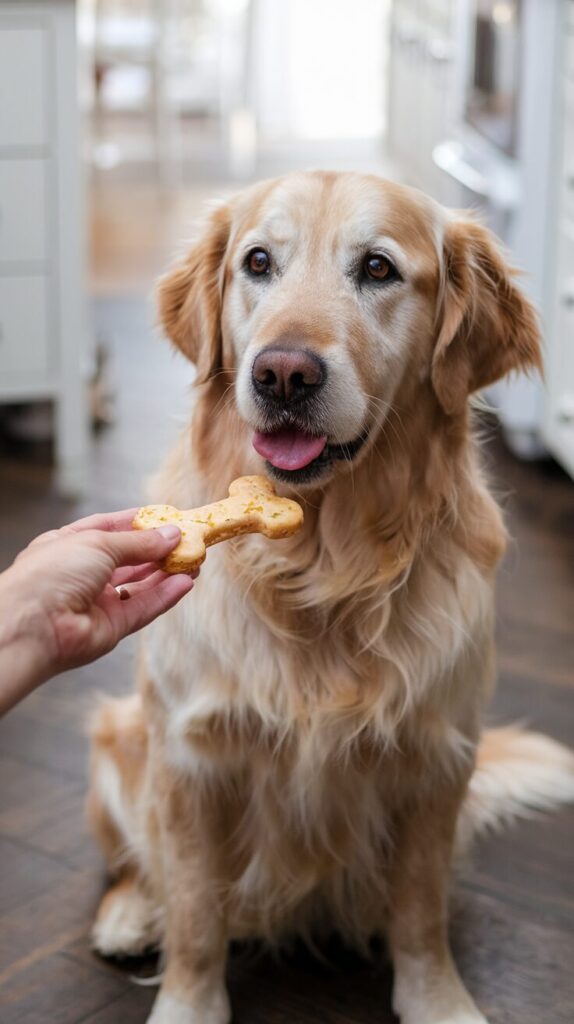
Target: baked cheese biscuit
<point>252,507</point>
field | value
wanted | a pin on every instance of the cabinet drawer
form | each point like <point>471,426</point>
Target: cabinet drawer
<point>568,195</point>
<point>565,240</point>
<point>562,351</point>
<point>569,40</point>
<point>562,355</point>
<point>23,83</point>
<point>23,326</point>
<point>22,210</point>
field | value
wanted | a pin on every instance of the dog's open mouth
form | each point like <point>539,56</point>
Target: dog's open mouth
<point>297,456</point>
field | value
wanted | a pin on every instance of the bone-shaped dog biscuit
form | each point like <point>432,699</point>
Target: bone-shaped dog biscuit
<point>252,507</point>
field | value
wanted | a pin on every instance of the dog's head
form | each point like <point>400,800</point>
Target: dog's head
<point>329,298</point>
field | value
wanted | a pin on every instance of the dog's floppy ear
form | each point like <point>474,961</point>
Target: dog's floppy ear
<point>189,297</point>
<point>487,327</point>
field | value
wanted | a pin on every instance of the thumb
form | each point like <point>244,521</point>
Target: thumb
<point>134,547</point>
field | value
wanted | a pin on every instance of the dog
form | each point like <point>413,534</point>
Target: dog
<point>303,753</point>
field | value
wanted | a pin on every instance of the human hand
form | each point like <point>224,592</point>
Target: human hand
<point>59,606</point>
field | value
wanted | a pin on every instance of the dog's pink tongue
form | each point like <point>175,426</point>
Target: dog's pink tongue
<point>289,448</point>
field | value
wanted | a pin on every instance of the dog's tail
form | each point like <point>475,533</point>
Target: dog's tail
<point>517,773</point>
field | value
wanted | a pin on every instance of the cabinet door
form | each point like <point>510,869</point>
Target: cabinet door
<point>559,420</point>
<point>23,83</point>
<point>23,329</point>
<point>22,210</point>
<point>568,147</point>
<point>563,397</point>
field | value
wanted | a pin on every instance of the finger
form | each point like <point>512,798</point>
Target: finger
<point>111,522</point>
<point>131,573</point>
<point>144,607</point>
<point>42,538</point>
<point>106,521</point>
<point>138,546</point>
<point>138,587</point>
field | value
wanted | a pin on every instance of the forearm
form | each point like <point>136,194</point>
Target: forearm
<point>25,658</point>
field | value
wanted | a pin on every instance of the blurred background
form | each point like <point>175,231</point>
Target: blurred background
<point>119,119</point>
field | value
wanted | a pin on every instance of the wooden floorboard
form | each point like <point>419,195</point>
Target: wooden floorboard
<point>513,903</point>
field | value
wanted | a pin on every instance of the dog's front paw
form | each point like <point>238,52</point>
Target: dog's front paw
<point>468,1015</point>
<point>464,1017</point>
<point>127,924</point>
<point>211,1008</point>
<point>423,997</point>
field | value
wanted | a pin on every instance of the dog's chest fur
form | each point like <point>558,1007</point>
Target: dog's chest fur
<point>311,746</point>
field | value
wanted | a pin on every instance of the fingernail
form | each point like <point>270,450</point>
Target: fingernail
<point>170,532</point>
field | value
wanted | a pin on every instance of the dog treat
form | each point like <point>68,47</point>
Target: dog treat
<point>252,507</point>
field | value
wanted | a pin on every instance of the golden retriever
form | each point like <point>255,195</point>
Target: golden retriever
<point>301,754</point>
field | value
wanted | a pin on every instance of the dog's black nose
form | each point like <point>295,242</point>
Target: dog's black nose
<point>287,374</point>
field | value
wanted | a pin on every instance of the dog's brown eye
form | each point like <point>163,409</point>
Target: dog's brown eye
<point>258,262</point>
<point>378,267</point>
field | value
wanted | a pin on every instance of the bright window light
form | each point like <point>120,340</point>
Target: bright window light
<point>336,68</point>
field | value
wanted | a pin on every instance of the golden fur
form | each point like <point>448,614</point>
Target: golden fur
<point>298,755</point>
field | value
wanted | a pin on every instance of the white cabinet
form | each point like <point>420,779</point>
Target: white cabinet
<point>526,197</point>
<point>25,78</point>
<point>43,351</point>
<point>559,413</point>
<point>420,87</point>
<point>23,198</point>
<point>24,314</point>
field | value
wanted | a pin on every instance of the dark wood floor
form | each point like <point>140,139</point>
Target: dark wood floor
<point>513,906</point>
